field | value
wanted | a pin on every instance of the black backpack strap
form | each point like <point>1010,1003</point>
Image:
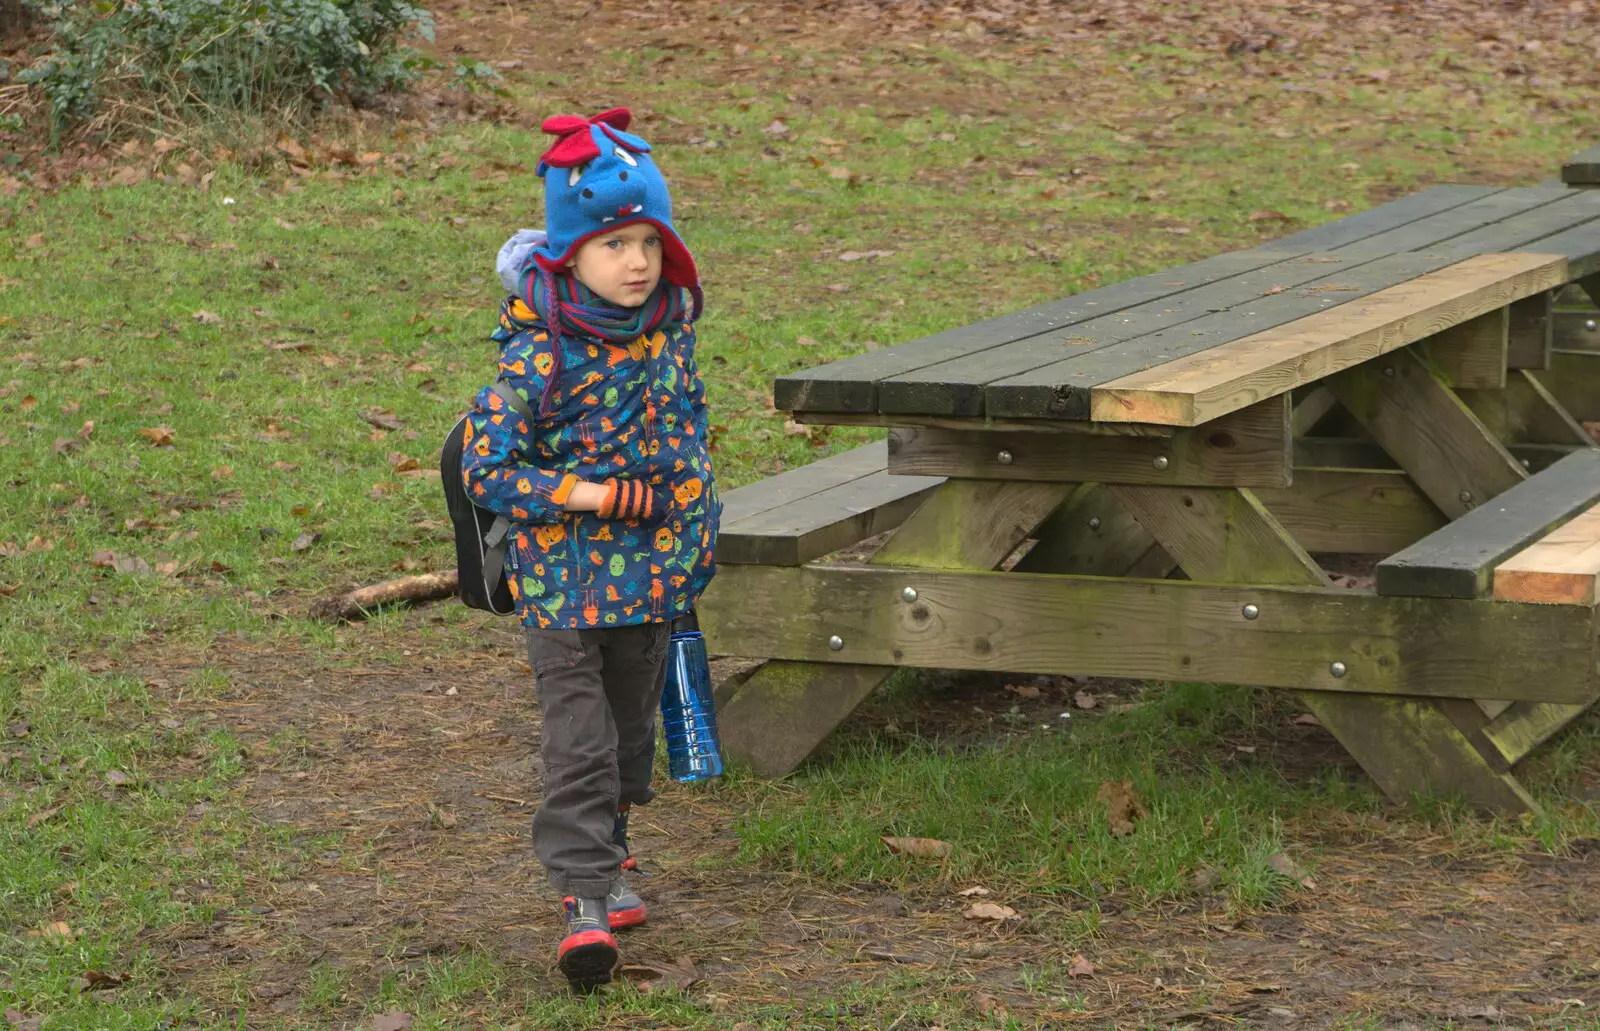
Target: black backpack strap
<point>514,399</point>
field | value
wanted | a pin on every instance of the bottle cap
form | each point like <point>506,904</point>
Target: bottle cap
<point>686,624</point>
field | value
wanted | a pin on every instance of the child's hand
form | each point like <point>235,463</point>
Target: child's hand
<point>633,499</point>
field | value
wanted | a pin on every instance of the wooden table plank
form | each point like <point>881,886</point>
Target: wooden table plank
<point>1575,331</point>
<point>1560,568</point>
<point>1063,389</point>
<point>1473,354</point>
<point>848,385</point>
<point>1458,561</point>
<point>1190,390</point>
<point>966,386</point>
<point>1360,511</point>
<point>1583,169</point>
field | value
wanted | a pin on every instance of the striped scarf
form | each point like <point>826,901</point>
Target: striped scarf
<point>568,308</point>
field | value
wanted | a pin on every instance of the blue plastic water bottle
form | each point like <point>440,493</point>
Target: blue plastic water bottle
<point>687,710</point>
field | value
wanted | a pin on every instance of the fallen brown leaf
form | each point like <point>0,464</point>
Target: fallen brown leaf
<point>1080,967</point>
<point>681,974</point>
<point>1085,700</point>
<point>394,1020</point>
<point>382,418</point>
<point>118,779</point>
<point>99,980</point>
<point>1281,864</point>
<point>976,891</point>
<point>989,1006</point>
<point>207,318</point>
<point>989,911</point>
<point>159,436</point>
<point>1122,806</point>
<point>921,848</point>
<point>1023,690</point>
<point>304,541</point>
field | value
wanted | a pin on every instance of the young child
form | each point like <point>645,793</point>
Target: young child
<point>611,494</point>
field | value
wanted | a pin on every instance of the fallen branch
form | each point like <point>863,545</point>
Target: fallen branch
<point>358,603</point>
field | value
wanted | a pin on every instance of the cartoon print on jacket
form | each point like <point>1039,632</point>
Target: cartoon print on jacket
<point>636,411</point>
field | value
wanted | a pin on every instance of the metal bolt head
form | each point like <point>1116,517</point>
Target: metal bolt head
<point>1389,372</point>
<point>908,595</point>
<point>1094,523</point>
<point>1589,324</point>
<point>1160,462</point>
<point>1250,611</point>
<point>835,642</point>
<point>1338,669</point>
<point>1466,497</point>
<point>1004,458</point>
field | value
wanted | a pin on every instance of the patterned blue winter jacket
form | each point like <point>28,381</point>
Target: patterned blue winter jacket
<point>635,411</point>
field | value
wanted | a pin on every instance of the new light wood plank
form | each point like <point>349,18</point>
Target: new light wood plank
<point>1560,568</point>
<point>1205,385</point>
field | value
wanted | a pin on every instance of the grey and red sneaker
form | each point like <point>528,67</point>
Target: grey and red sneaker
<point>624,908</point>
<point>588,953</point>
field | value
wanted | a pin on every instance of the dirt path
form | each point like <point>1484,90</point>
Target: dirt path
<point>428,794</point>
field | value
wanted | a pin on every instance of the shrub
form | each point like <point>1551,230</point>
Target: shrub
<point>155,60</point>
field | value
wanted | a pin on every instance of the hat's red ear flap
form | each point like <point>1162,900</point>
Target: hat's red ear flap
<point>563,125</point>
<point>617,118</point>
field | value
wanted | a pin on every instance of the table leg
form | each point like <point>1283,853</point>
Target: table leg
<point>786,709</point>
<point>1407,745</point>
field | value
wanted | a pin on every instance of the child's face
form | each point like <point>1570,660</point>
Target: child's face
<point>623,266</point>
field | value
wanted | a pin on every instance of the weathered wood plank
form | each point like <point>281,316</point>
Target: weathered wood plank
<point>1524,412</point>
<point>1061,389</point>
<point>1458,561</point>
<point>812,478</point>
<point>1428,431</point>
<point>973,524</point>
<point>1189,390</point>
<point>965,386</point>
<point>1248,448</point>
<point>1358,453</point>
<point>848,385</point>
<point>1473,354</point>
<point>1312,404</point>
<point>823,522</point>
<point>1157,629</point>
<point>1221,534</point>
<point>1582,169</point>
<point>1524,726</point>
<point>1573,379</point>
<point>1560,568</point>
<point>1529,337</point>
<point>786,709</point>
<point>1091,534</point>
<point>1359,511</point>
<point>1576,331</point>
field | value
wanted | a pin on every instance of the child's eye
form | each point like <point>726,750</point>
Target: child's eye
<point>625,156</point>
<point>654,241</point>
<point>573,175</point>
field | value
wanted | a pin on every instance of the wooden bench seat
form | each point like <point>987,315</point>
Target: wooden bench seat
<point>821,507</point>
<point>1460,559</point>
<point>1583,169</point>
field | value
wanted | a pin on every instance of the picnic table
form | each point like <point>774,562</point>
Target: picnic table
<point>1132,482</point>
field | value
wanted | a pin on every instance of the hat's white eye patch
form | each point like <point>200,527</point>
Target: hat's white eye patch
<point>574,174</point>
<point>625,156</point>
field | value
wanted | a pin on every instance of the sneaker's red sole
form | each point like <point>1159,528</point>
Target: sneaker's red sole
<point>619,918</point>
<point>587,959</point>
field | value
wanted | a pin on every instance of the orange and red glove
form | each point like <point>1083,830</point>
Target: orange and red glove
<point>632,499</point>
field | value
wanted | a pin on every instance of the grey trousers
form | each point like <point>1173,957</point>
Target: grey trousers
<point>599,691</point>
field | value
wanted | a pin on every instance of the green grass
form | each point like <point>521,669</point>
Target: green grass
<point>387,282</point>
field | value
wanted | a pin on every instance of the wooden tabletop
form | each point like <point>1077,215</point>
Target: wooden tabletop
<point>1183,346</point>
<point>1583,169</point>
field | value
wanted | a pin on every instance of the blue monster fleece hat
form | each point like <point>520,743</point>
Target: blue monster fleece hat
<point>597,178</point>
